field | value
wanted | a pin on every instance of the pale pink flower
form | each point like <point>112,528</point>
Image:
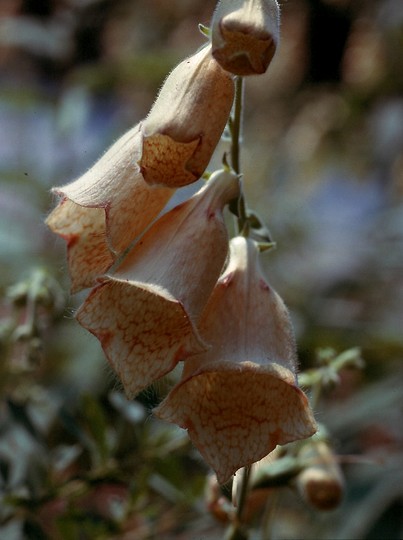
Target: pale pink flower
<point>245,35</point>
<point>240,398</point>
<point>103,211</point>
<point>186,121</point>
<point>145,313</point>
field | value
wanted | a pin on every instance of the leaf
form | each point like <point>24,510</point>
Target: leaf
<point>277,473</point>
<point>259,230</point>
<point>96,425</point>
<point>5,468</point>
<point>132,411</point>
<point>20,415</point>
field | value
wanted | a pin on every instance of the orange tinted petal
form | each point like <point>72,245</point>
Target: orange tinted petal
<point>107,208</point>
<point>144,314</point>
<point>116,184</point>
<point>186,121</point>
<point>248,312</point>
<point>184,251</point>
<point>164,161</point>
<point>143,331</point>
<point>88,253</point>
<point>235,415</point>
<point>132,210</point>
<point>239,398</point>
<point>116,168</point>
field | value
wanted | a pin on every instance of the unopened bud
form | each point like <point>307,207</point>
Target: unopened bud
<point>245,34</point>
<point>320,484</point>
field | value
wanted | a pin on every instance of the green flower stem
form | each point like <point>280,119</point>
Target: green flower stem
<point>316,394</point>
<point>246,472</point>
<point>238,206</point>
<point>236,125</point>
<point>237,531</point>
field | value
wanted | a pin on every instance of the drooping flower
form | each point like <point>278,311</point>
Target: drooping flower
<point>245,34</point>
<point>240,398</point>
<point>145,313</point>
<point>187,120</point>
<point>104,210</point>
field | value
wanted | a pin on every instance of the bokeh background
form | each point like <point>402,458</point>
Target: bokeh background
<point>322,157</point>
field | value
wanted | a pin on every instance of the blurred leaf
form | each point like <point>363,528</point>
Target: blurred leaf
<point>165,488</point>
<point>70,423</point>
<point>34,531</point>
<point>65,455</point>
<point>96,425</point>
<point>20,415</point>
<point>133,411</point>
<point>259,230</point>
<point>84,527</point>
<point>68,528</point>
<point>12,530</point>
<point>277,473</point>
<point>5,468</point>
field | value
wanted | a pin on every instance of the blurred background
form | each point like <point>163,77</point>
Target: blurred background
<point>322,158</point>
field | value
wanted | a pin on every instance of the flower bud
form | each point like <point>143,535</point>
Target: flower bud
<point>144,314</point>
<point>239,399</point>
<point>320,484</point>
<point>186,121</point>
<point>245,34</point>
<point>104,210</point>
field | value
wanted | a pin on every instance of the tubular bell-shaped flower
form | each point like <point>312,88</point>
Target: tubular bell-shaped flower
<point>144,314</point>
<point>240,398</point>
<point>187,120</point>
<point>104,210</point>
<point>245,34</point>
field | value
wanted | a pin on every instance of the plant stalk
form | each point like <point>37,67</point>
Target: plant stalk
<point>238,206</point>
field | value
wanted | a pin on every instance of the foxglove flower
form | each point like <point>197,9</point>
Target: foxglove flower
<point>186,121</point>
<point>240,398</point>
<point>145,313</point>
<point>245,34</point>
<point>104,210</point>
